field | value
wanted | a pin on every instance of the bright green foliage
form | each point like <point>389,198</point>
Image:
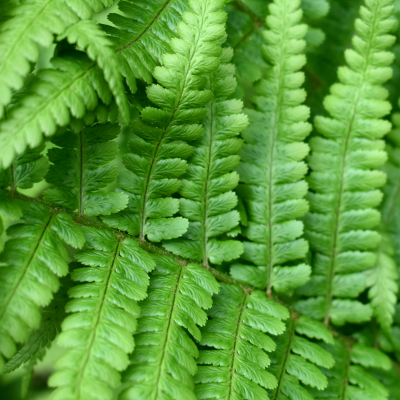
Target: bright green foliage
<point>80,169</point>
<point>144,31</point>
<point>296,358</point>
<point>34,23</point>
<point>91,38</point>
<point>237,330</point>
<point>27,169</point>
<point>271,170</point>
<point>207,186</point>
<point>52,316</point>
<point>117,134</point>
<point>34,258</point>
<point>163,363</point>
<point>382,282</point>
<point>98,333</point>
<point>70,89</point>
<point>348,379</point>
<point>344,180</point>
<point>158,149</point>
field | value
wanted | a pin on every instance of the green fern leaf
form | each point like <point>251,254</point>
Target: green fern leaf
<point>349,379</point>
<point>158,149</point>
<point>344,178</point>
<point>98,333</point>
<point>34,257</point>
<point>27,169</point>
<point>163,364</point>
<point>382,280</point>
<point>271,170</point>
<point>80,169</point>
<point>143,32</point>
<point>207,186</point>
<point>52,316</point>
<point>238,330</point>
<point>70,89</point>
<point>91,38</point>
<point>31,24</point>
<point>296,357</point>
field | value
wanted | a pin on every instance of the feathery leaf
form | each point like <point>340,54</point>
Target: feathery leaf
<point>159,149</point>
<point>70,89</point>
<point>271,170</point>
<point>80,169</point>
<point>296,357</point>
<point>98,333</point>
<point>238,331</point>
<point>207,186</point>
<point>344,179</point>
<point>163,363</point>
<point>143,32</point>
<point>34,257</point>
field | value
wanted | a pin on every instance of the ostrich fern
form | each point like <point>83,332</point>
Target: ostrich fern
<point>175,222</point>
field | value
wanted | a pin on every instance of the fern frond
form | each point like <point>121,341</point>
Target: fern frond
<point>382,280</point>
<point>163,363</point>
<point>27,169</point>
<point>70,89</point>
<point>91,38</point>
<point>390,205</point>
<point>34,257</point>
<point>52,316</point>
<point>349,379</point>
<point>159,149</point>
<point>80,168</point>
<point>296,359</point>
<point>345,178</point>
<point>8,209</point>
<point>98,333</point>
<point>271,169</point>
<point>34,23</point>
<point>237,368</point>
<point>142,34</point>
<point>207,186</point>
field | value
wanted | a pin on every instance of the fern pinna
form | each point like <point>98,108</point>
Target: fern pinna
<point>155,183</point>
<point>159,149</point>
<point>344,178</point>
<point>271,168</point>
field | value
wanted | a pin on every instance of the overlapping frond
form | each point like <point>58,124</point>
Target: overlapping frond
<point>272,169</point>
<point>34,257</point>
<point>104,309</point>
<point>143,32</point>
<point>30,25</point>
<point>382,280</point>
<point>296,359</point>
<point>72,88</point>
<point>206,190</point>
<point>344,178</point>
<point>80,169</point>
<point>159,149</point>
<point>89,37</point>
<point>349,379</point>
<point>163,363</point>
<point>52,316</point>
<point>233,365</point>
